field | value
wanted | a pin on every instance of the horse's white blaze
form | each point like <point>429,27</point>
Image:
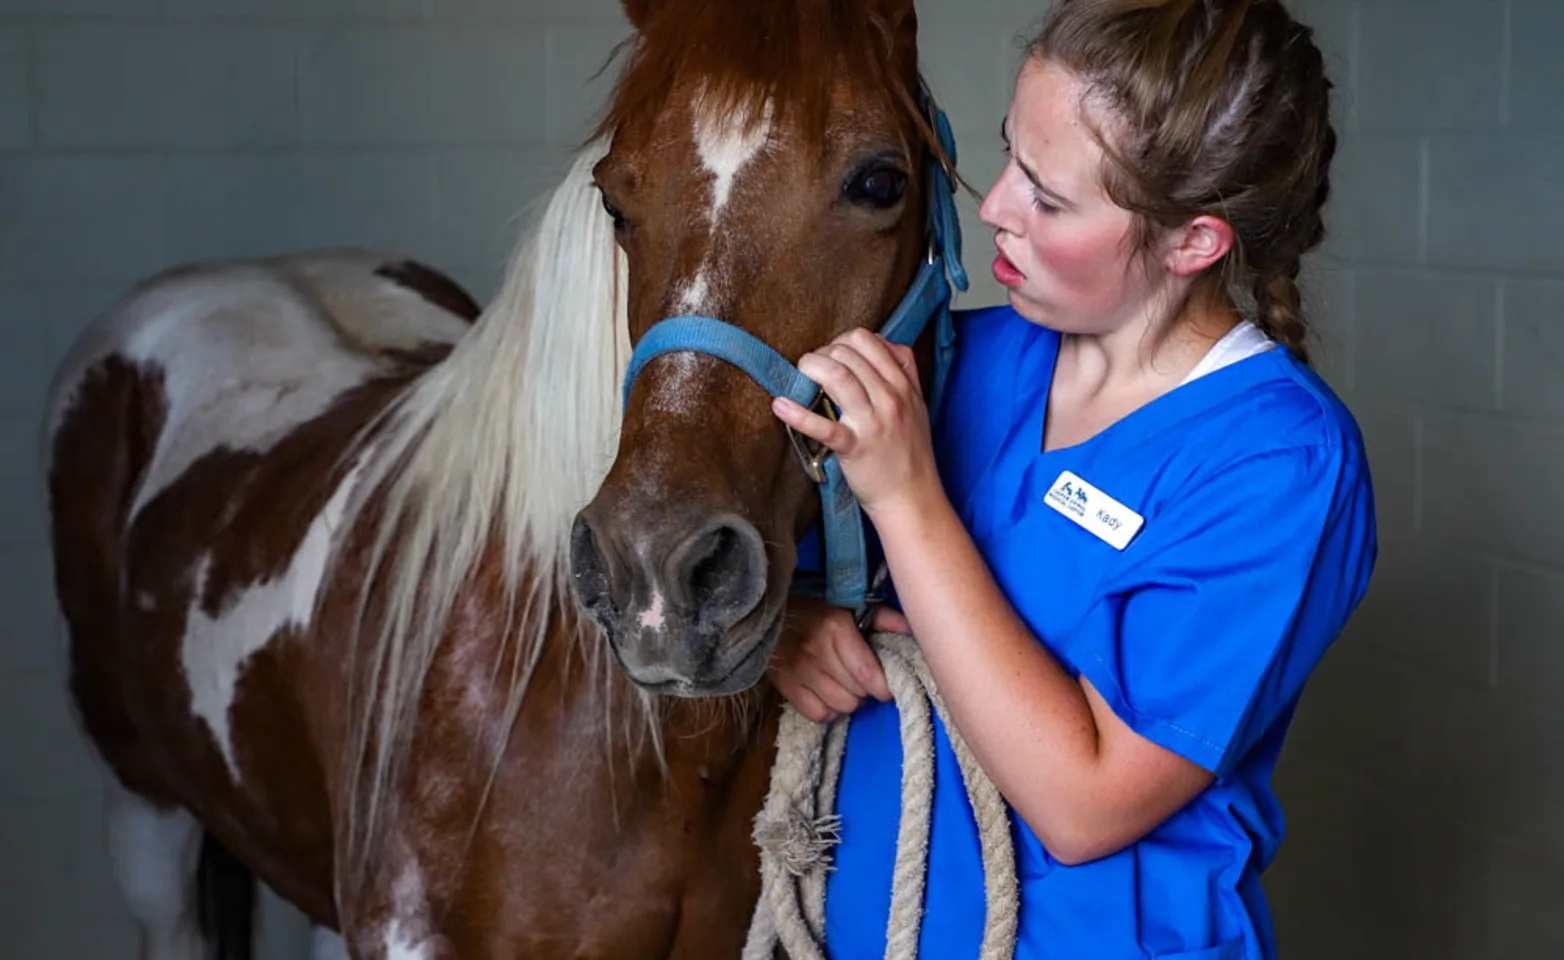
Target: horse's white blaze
<point>679,389</point>
<point>215,649</point>
<point>154,853</point>
<point>694,296</point>
<point>725,141</point>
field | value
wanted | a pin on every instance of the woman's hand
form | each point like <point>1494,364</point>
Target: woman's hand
<point>882,439</point>
<point>823,665</point>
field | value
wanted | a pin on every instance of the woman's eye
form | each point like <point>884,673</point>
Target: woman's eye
<point>877,187</point>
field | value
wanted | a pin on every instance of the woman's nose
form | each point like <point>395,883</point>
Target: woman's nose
<point>993,211</point>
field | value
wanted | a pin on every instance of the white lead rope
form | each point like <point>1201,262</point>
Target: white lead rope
<point>798,827</point>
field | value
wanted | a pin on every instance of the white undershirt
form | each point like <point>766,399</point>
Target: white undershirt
<point>1240,343</point>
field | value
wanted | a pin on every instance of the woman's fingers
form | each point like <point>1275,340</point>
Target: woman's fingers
<point>829,668</point>
<point>813,690</point>
<point>856,659</point>
<point>801,697</point>
<point>839,381</point>
<point>889,620</point>
<point>877,392</point>
<point>813,425</point>
<point>892,362</point>
<point>833,694</point>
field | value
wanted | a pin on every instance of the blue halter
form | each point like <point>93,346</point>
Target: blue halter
<point>928,298</point>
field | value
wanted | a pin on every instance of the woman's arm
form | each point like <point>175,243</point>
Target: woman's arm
<point>1085,782</point>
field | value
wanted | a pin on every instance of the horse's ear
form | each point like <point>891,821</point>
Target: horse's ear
<point>638,12</point>
<point>902,19</point>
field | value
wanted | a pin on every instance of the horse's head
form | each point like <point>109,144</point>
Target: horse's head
<point>767,168</point>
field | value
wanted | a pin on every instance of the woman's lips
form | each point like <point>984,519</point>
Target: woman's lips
<point>1006,272</point>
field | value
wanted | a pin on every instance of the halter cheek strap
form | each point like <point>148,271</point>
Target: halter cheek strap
<point>847,580</point>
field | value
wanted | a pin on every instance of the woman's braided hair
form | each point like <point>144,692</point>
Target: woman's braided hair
<point>1214,107</point>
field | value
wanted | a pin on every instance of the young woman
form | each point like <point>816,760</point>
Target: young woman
<point>1140,518</point>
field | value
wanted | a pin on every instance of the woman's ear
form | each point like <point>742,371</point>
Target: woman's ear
<point>1198,244</point>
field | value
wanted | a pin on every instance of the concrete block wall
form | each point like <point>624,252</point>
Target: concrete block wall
<point>1424,781</point>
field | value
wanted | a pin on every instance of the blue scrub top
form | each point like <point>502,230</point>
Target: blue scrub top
<point>1258,543</point>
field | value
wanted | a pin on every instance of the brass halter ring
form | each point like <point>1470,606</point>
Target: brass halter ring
<point>811,453</point>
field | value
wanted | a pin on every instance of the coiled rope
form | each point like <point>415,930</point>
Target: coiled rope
<point>797,828</point>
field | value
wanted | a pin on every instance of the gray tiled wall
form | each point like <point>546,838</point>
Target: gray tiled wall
<point>1425,781</point>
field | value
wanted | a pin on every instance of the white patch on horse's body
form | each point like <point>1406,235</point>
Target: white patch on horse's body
<point>400,946</point>
<point>154,854</point>
<point>403,940</point>
<point>257,370</point>
<point>249,350</point>
<point>215,649</point>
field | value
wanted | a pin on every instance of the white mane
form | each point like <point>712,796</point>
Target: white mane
<point>494,449</point>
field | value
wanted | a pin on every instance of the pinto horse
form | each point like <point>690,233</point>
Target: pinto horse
<point>312,522</point>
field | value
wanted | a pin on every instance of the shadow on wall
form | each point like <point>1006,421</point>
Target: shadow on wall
<point>1423,810</point>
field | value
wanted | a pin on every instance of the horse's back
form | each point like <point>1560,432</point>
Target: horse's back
<point>196,446</point>
<point>258,345</point>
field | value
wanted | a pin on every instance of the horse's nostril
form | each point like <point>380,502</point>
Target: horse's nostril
<point>709,574</point>
<point>588,568</point>
<point>719,574</point>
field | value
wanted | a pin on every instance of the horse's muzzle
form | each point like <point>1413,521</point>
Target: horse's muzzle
<point>675,597</point>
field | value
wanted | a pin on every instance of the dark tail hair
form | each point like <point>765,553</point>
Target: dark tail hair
<point>225,902</point>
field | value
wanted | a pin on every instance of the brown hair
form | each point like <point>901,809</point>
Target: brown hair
<point>1217,107</point>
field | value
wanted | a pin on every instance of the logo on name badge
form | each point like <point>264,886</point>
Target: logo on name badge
<point>1104,517</point>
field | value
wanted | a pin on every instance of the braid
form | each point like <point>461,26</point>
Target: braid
<point>1278,301</point>
<point>1279,310</point>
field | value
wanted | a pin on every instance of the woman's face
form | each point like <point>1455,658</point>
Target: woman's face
<point>1066,252</point>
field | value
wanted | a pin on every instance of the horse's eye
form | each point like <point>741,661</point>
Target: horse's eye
<point>615,213</point>
<point>878,187</point>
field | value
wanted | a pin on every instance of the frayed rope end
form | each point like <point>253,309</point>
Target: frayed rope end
<point>799,843</point>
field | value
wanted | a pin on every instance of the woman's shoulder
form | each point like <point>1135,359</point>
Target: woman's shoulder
<point>1288,406</point>
<point>1265,435</point>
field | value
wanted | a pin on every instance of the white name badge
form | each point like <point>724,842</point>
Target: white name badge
<point>1106,518</point>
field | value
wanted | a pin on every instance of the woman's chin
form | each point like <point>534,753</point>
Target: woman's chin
<point>1030,309</point>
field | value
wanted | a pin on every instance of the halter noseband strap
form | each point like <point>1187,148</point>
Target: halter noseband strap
<point>847,582</point>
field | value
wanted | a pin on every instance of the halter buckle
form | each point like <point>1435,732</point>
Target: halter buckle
<point>812,453</point>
